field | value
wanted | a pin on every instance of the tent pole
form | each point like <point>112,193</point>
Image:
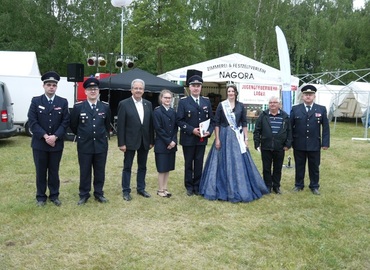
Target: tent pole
<point>367,115</point>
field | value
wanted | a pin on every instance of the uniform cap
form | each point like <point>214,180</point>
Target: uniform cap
<point>91,82</point>
<point>308,89</point>
<point>50,76</point>
<point>196,79</point>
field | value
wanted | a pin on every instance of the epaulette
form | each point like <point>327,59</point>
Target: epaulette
<point>206,97</point>
<point>78,102</point>
<point>183,97</point>
<point>156,108</point>
<point>105,102</point>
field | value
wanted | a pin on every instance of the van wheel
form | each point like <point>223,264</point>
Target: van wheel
<point>27,130</point>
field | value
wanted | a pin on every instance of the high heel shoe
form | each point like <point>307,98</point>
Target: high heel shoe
<point>167,193</point>
<point>162,194</point>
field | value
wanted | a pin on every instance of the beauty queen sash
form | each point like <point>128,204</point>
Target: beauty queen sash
<point>230,116</point>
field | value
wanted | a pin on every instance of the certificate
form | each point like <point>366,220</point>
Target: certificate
<point>203,127</point>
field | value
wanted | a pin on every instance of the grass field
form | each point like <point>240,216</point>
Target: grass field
<point>288,231</point>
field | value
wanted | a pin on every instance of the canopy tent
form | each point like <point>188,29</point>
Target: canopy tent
<point>153,84</point>
<point>19,63</point>
<point>348,101</point>
<point>256,81</point>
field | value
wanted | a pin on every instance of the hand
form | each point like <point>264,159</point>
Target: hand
<point>285,148</point>
<point>246,143</point>
<point>122,148</point>
<point>171,145</point>
<point>196,132</point>
<point>50,140</point>
<point>218,144</point>
<point>325,148</point>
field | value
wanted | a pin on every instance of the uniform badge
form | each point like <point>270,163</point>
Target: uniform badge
<point>189,114</point>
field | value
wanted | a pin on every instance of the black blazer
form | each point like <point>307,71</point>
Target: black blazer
<point>165,129</point>
<point>91,127</point>
<point>130,131</point>
<point>44,118</point>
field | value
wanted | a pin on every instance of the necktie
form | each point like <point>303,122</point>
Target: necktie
<point>197,101</point>
<point>50,101</point>
<point>308,108</point>
<point>93,107</point>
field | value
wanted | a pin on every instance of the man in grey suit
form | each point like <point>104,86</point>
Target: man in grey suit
<point>135,133</point>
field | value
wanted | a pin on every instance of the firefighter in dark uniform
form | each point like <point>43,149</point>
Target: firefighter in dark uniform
<point>90,121</point>
<point>310,130</point>
<point>191,111</point>
<point>48,119</point>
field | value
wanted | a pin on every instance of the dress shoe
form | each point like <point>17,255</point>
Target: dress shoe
<point>315,191</point>
<point>189,193</point>
<point>41,203</point>
<point>127,197</point>
<point>56,202</point>
<point>101,199</point>
<point>196,192</point>
<point>82,201</point>
<point>276,190</point>
<point>162,194</point>
<point>296,189</point>
<point>144,194</point>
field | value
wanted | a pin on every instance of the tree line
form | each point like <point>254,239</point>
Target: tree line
<point>322,35</point>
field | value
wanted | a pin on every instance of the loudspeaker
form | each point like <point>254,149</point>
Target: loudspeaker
<point>192,72</point>
<point>75,72</point>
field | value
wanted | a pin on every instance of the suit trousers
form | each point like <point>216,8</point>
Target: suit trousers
<point>274,160</point>
<point>193,156</point>
<point>47,173</point>
<point>300,158</point>
<point>142,157</point>
<point>87,163</point>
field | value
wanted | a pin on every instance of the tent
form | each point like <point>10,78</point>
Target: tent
<point>115,88</point>
<point>19,63</point>
<point>153,84</point>
<point>256,81</point>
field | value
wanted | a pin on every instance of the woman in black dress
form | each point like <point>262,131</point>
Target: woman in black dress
<point>165,146</point>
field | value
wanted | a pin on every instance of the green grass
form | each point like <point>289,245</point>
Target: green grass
<point>291,231</point>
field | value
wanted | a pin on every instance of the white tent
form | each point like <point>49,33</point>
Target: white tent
<point>18,63</point>
<point>256,81</point>
<point>349,101</point>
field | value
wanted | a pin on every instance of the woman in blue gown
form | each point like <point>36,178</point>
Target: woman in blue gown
<point>230,173</point>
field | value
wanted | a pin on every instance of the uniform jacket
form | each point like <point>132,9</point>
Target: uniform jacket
<point>44,118</point>
<point>189,115</point>
<point>310,129</point>
<point>130,131</point>
<point>91,127</point>
<point>264,138</point>
<point>165,129</point>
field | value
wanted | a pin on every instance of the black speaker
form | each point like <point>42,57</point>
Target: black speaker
<point>75,72</point>
<point>192,72</point>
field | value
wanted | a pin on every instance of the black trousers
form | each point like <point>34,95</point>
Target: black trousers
<point>272,163</point>
<point>193,156</point>
<point>47,173</point>
<point>87,163</point>
<point>142,157</point>
<point>300,158</point>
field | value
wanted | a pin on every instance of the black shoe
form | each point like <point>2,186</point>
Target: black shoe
<point>196,192</point>
<point>41,203</point>
<point>276,190</point>
<point>127,197</point>
<point>101,199</point>
<point>189,193</point>
<point>315,191</point>
<point>56,202</point>
<point>82,201</point>
<point>144,194</point>
<point>296,189</point>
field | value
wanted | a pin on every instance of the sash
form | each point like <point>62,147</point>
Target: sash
<point>230,116</point>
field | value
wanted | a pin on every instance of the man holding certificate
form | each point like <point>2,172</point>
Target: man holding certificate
<point>194,113</point>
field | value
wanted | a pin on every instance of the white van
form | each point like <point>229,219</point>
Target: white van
<point>7,128</point>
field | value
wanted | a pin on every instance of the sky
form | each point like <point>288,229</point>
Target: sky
<point>358,3</point>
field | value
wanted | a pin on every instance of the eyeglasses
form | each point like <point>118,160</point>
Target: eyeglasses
<point>273,102</point>
<point>167,97</point>
<point>51,84</point>
<point>92,89</point>
<point>138,88</point>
